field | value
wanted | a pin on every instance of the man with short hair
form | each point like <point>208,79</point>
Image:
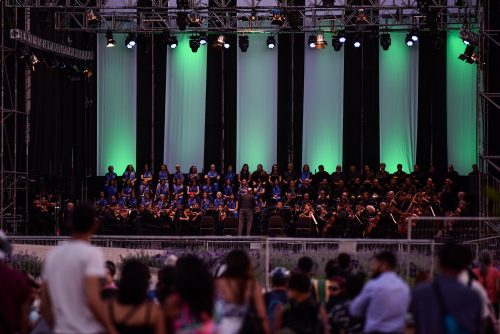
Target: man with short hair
<point>72,274</point>
<point>444,301</point>
<point>384,300</point>
<point>246,203</point>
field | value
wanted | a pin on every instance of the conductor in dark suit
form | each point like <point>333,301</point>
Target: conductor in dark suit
<point>246,205</point>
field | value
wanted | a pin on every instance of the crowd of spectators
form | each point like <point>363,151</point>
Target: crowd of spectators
<point>349,203</point>
<point>78,294</point>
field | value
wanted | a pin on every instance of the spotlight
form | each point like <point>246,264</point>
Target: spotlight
<point>221,42</point>
<point>409,40</point>
<point>182,20</point>
<point>244,43</point>
<point>195,21</point>
<point>414,36</point>
<point>468,37</point>
<point>110,41</point>
<point>194,43</point>
<point>357,41</point>
<point>385,41</point>
<point>253,16</point>
<point>34,61</point>
<point>91,17</point>
<point>271,42</point>
<point>203,39</point>
<point>336,43</point>
<point>361,17</point>
<point>320,41</point>
<point>469,55</point>
<point>130,41</point>
<point>277,19</point>
<point>342,37</point>
<point>312,41</point>
<point>171,41</point>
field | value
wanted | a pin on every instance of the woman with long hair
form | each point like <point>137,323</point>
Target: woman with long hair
<point>189,308</point>
<point>238,296</point>
<point>131,312</point>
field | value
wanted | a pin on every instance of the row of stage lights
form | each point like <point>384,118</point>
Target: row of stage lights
<point>315,41</point>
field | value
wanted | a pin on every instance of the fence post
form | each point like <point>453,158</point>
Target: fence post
<point>433,257</point>
<point>267,260</point>
<point>409,227</point>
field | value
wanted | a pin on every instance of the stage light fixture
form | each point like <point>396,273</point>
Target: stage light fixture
<point>361,17</point>
<point>336,43</point>
<point>385,41</point>
<point>182,20</point>
<point>342,38</point>
<point>34,61</point>
<point>271,42</point>
<point>203,39</point>
<point>414,36</point>
<point>469,55</point>
<point>253,16</point>
<point>195,21</point>
<point>110,43</point>
<point>409,40</point>
<point>221,42</point>
<point>468,37</point>
<point>130,41</point>
<point>92,18</point>
<point>171,41</point>
<point>320,41</point>
<point>277,19</point>
<point>194,43</point>
<point>243,43</point>
<point>356,41</point>
<point>312,41</point>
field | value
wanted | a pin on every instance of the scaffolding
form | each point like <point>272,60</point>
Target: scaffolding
<point>14,125</point>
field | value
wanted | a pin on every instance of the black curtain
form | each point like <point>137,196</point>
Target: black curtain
<point>220,112</point>
<point>290,99</point>
<point>361,143</point>
<point>431,136</point>
<point>151,76</point>
<point>63,114</point>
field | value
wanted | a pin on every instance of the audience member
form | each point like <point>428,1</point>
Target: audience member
<point>239,302</point>
<point>385,288</point>
<point>72,274</point>
<point>131,311</point>
<point>446,305</point>
<point>15,296</point>
<point>276,299</point>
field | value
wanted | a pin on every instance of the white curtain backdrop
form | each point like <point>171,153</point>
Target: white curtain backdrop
<point>398,94</point>
<point>323,107</point>
<point>185,105</point>
<point>116,105</point>
<point>257,104</point>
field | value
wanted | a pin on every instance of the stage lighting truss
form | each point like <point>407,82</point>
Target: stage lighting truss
<point>314,16</point>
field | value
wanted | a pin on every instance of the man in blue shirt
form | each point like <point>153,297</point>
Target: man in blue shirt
<point>178,174</point>
<point>110,175</point>
<point>384,300</point>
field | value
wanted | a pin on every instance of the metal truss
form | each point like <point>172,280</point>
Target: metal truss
<point>253,16</point>
<point>49,46</point>
<point>14,130</point>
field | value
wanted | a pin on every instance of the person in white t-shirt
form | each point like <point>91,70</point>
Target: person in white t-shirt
<point>72,275</point>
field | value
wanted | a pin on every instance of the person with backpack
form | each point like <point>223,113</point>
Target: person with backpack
<point>446,305</point>
<point>276,299</point>
<point>302,313</point>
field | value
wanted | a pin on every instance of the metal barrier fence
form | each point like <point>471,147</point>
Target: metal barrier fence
<point>458,229</point>
<point>266,253</point>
